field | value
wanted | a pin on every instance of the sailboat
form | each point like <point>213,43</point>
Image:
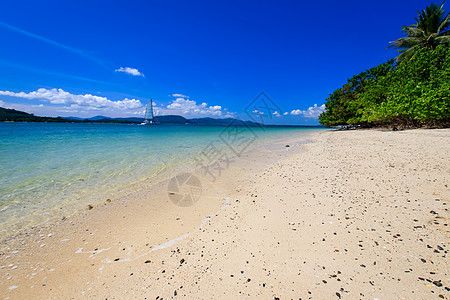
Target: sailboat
<point>148,119</point>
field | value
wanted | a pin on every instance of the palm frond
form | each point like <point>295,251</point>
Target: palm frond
<point>445,23</point>
<point>443,39</point>
<point>431,29</point>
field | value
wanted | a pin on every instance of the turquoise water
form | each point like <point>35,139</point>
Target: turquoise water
<point>51,170</point>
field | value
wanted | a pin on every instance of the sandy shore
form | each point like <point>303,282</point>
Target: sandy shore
<point>353,214</point>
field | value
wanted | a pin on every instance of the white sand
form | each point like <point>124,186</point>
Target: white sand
<point>358,214</point>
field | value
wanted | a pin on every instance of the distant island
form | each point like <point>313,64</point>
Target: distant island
<point>12,115</point>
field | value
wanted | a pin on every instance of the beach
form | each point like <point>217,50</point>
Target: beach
<point>353,214</point>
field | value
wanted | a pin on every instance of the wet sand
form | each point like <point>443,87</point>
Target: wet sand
<point>353,214</point>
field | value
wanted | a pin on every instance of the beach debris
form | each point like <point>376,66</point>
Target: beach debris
<point>108,200</point>
<point>287,146</point>
<point>437,283</point>
<point>90,206</point>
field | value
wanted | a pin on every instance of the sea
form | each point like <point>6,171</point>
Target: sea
<point>52,170</point>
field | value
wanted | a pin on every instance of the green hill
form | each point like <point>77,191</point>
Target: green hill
<point>12,115</point>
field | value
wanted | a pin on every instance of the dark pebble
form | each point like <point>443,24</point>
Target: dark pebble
<point>423,260</point>
<point>116,259</point>
<point>437,283</point>
<point>339,295</point>
<point>182,261</point>
<point>147,261</point>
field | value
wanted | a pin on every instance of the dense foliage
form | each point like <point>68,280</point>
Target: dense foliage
<point>411,94</point>
<point>412,91</point>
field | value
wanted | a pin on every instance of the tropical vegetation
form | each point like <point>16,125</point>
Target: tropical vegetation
<point>412,90</point>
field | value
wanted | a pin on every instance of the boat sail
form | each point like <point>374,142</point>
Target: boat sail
<point>149,119</point>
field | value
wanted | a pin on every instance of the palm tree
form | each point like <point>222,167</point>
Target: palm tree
<point>432,29</point>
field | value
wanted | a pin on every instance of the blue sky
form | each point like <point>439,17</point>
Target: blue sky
<point>194,58</point>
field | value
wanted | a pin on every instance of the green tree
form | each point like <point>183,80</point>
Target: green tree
<point>343,106</point>
<point>415,93</point>
<point>431,30</point>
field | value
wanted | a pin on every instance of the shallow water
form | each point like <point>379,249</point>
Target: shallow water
<point>51,170</point>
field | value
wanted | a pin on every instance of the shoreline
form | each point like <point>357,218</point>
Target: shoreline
<point>157,183</point>
<point>64,237</point>
<point>97,178</point>
<point>264,234</point>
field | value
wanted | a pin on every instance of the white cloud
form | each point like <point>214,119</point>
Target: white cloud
<point>131,71</point>
<point>311,112</point>
<point>276,114</point>
<point>286,113</point>
<point>78,102</point>
<point>180,96</point>
<point>32,109</point>
<point>61,103</point>
<point>190,108</point>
